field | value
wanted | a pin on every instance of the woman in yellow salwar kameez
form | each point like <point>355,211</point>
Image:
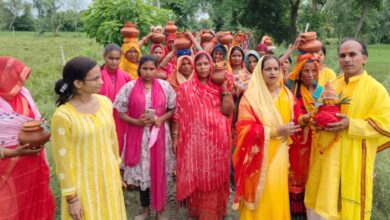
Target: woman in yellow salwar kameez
<point>261,157</point>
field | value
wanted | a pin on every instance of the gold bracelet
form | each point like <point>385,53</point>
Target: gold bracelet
<point>73,201</point>
<point>225,94</point>
<point>300,121</point>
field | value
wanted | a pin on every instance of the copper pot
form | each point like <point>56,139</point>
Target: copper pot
<point>157,38</point>
<point>309,36</point>
<point>182,42</point>
<point>218,77</point>
<point>225,38</point>
<point>312,46</point>
<point>130,30</point>
<point>33,134</point>
<point>170,27</point>
<point>206,36</point>
<point>268,41</point>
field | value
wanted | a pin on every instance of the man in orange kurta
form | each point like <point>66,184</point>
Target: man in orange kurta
<point>341,178</point>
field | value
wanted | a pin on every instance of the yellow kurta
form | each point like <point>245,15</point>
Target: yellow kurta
<point>326,75</point>
<point>85,151</point>
<point>370,105</point>
<point>274,203</point>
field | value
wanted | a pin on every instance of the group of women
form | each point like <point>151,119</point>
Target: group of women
<point>139,120</point>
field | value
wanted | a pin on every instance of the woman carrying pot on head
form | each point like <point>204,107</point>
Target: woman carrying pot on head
<point>306,91</point>
<point>130,56</point>
<point>182,73</point>
<point>164,68</point>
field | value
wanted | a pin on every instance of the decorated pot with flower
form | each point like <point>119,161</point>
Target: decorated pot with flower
<point>326,113</point>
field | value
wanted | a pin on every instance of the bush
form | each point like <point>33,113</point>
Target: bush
<point>104,19</point>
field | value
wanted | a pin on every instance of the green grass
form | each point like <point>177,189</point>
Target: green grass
<point>42,54</point>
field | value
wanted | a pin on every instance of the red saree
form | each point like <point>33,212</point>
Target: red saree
<point>203,151</point>
<point>24,180</point>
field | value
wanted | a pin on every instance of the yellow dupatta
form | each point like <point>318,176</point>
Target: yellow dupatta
<point>125,64</point>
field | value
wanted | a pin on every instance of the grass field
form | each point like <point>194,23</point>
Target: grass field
<point>42,54</point>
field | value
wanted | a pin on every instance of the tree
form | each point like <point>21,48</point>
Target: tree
<point>294,6</point>
<point>25,22</point>
<point>365,6</point>
<point>267,17</point>
<point>5,16</point>
<point>104,18</point>
<point>47,19</point>
<point>15,6</point>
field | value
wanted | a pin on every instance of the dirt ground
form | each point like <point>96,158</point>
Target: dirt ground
<point>171,212</point>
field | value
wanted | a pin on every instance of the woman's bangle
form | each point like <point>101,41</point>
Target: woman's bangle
<point>300,121</point>
<point>73,201</point>
<point>69,199</point>
<point>225,94</point>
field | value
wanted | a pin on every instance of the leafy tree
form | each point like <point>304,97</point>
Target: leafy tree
<point>25,22</point>
<point>104,18</point>
<point>185,11</point>
<point>5,16</point>
<point>365,6</point>
<point>47,19</point>
<point>14,6</point>
<point>268,17</point>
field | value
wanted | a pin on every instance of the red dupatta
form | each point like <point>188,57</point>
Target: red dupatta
<point>132,155</point>
<point>112,83</point>
<point>24,180</point>
<point>167,71</point>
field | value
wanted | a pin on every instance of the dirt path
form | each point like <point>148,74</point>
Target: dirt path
<point>171,212</point>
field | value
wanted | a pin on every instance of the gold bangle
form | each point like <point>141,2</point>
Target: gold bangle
<point>300,121</point>
<point>225,94</point>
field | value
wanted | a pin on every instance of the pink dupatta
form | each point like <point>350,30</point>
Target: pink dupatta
<point>112,83</point>
<point>134,135</point>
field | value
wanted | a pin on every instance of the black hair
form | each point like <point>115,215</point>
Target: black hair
<point>251,55</point>
<point>362,44</point>
<point>268,57</point>
<point>75,69</point>
<point>289,58</point>
<point>323,48</point>
<point>239,49</point>
<point>145,59</point>
<point>111,47</point>
<point>197,57</point>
